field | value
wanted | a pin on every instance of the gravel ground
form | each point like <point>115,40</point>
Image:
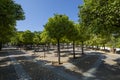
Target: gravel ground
<point>84,64</point>
<point>106,70</point>
<point>79,65</point>
<point>37,72</point>
<point>7,71</point>
<point>110,68</point>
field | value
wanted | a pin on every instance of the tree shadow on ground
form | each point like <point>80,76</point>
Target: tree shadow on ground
<point>3,53</point>
<point>42,50</point>
<point>66,53</point>
<point>7,71</point>
<point>118,61</point>
<point>105,71</point>
<point>85,62</point>
<point>62,51</point>
<point>105,50</point>
<point>108,72</point>
<point>81,65</point>
<point>12,52</point>
<point>38,71</point>
<point>118,52</point>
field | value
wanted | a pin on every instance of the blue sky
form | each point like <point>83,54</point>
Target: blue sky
<point>37,12</point>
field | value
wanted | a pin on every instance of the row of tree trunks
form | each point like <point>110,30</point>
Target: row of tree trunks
<point>82,48</point>
<point>112,50</point>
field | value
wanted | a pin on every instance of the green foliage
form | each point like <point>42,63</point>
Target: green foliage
<point>57,26</point>
<point>84,33</point>
<point>103,16</point>
<point>27,37</point>
<point>72,32</point>
<point>37,37</point>
<point>45,37</point>
<point>98,40</point>
<point>6,33</point>
<point>65,40</point>
<point>9,13</point>
<point>117,42</point>
<point>15,39</point>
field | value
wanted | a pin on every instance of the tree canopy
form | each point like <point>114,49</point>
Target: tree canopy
<point>102,15</point>
<point>27,37</point>
<point>37,38</point>
<point>56,28</point>
<point>9,13</point>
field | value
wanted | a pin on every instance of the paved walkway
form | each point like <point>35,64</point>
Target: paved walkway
<point>88,75</point>
<point>91,72</point>
<point>55,70</point>
<point>19,69</point>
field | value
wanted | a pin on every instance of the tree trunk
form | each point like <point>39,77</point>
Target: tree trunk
<point>0,46</point>
<point>86,46</point>
<point>82,48</point>
<point>68,46</point>
<point>97,46</point>
<point>74,49</point>
<point>48,47</point>
<point>104,46</point>
<point>44,51</point>
<point>113,50</point>
<point>63,46</point>
<point>58,51</point>
<point>92,47</point>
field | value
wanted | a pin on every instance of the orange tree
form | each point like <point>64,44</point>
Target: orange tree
<point>56,28</point>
